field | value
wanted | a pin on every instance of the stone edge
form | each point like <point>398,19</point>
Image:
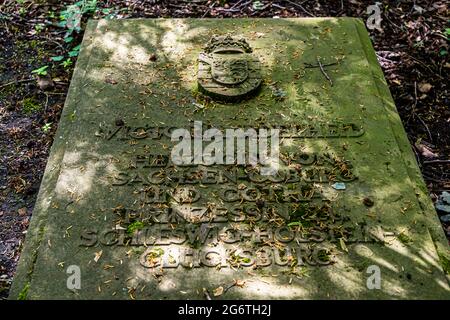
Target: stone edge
<point>36,230</point>
<point>432,221</point>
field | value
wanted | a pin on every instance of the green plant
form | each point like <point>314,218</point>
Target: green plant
<point>23,294</point>
<point>258,5</point>
<point>46,127</point>
<point>75,51</point>
<point>447,32</point>
<point>42,71</point>
<point>72,116</point>
<point>134,226</point>
<point>445,263</point>
<point>66,63</point>
<point>51,15</point>
<point>39,27</point>
<point>57,58</point>
<point>71,17</point>
<point>404,238</point>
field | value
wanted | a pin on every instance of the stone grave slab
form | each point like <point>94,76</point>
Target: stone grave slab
<point>346,204</point>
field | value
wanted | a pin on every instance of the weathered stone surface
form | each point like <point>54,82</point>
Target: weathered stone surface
<point>349,194</point>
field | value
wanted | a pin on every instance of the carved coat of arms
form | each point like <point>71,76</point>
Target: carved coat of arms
<point>227,70</point>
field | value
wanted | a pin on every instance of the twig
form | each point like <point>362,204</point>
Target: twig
<point>234,5</point>
<point>244,4</point>
<point>309,65</point>
<point>46,101</point>
<point>436,161</point>
<point>433,179</point>
<point>278,6</point>
<point>209,9</point>
<point>206,293</point>
<point>57,43</point>
<point>229,287</point>
<point>426,127</point>
<point>56,93</point>
<point>439,34</point>
<point>413,109</point>
<point>435,73</point>
<point>301,7</point>
<point>323,71</point>
<point>13,82</point>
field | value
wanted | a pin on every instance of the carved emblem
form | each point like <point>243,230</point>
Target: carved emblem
<point>227,70</point>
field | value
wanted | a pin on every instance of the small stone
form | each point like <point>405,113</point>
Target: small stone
<point>425,87</point>
<point>339,186</point>
<point>45,83</point>
<point>443,202</point>
<point>445,218</point>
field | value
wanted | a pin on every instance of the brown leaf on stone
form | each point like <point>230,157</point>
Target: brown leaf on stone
<point>239,283</point>
<point>98,255</point>
<point>218,291</point>
<point>424,87</point>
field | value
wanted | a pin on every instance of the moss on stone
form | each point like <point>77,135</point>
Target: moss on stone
<point>445,263</point>
<point>404,238</point>
<point>23,294</point>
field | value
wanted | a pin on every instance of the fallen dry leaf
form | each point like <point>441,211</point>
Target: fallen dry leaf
<point>239,283</point>
<point>218,291</point>
<point>98,255</point>
<point>425,151</point>
<point>22,211</point>
<point>424,87</point>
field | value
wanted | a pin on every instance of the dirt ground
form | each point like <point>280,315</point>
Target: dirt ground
<point>412,48</point>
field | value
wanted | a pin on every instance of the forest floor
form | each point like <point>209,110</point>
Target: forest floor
<point>38,51</point>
